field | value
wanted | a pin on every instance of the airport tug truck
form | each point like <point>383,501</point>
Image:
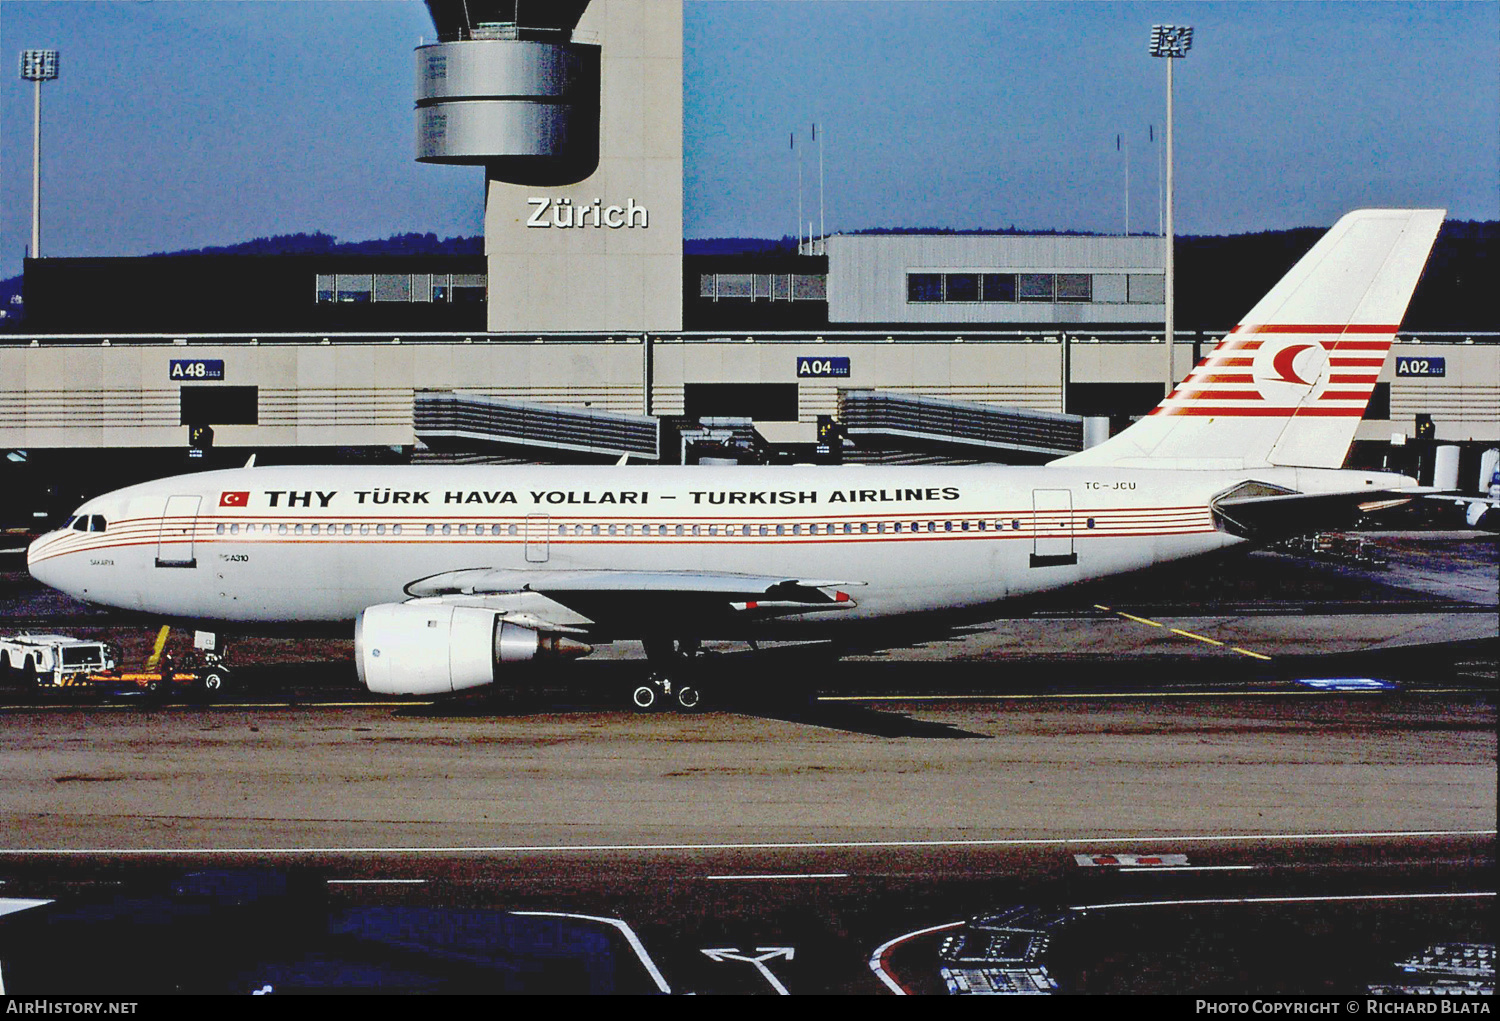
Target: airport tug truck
<point>41,662</point>
<point>53,661</point>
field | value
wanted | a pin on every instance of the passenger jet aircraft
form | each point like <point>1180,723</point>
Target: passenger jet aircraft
<point>453,577</point>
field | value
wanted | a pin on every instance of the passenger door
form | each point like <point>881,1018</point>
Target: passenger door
<point>538,540</point>
<point>174,542</point>
<point>1052,527</point>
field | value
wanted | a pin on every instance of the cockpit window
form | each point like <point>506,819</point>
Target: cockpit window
<point>97,523</point>
<point>81,523</point>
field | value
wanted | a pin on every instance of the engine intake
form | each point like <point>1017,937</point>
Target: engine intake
<point>436,648</point>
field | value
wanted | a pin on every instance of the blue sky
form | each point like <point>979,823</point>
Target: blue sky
<point>183,124</point>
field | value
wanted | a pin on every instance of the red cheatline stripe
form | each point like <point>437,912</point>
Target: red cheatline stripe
<point>1232,361</point>
<point>1223,395</point>
<point>1357,345</point>
<point>1198,411</point>
<point>1367,362</point>
<point>1354,377</point>
<point>1345,395</point>
<point>1222,377</point>
<point>1315,328</point>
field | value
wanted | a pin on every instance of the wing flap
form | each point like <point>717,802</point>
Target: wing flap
<point>1281,515</point>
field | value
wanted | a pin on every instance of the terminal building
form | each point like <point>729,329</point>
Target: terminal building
<point>583,331</point>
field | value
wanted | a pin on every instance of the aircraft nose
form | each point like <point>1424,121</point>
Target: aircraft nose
<point>40,566</point>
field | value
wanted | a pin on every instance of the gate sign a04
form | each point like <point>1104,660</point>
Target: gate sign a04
<point>812,367</point>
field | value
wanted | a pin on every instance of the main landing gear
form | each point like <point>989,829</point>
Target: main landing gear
<point>673,682</point>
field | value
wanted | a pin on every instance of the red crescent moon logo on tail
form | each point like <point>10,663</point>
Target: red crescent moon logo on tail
<point>1281,364</point>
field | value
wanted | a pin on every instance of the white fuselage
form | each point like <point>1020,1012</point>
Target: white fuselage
<point>268,545</point>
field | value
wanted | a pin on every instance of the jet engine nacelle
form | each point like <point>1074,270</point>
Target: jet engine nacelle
<point>436,648</point>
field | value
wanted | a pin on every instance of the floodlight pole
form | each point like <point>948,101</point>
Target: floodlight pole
<point>1169,326</point>
<point>36,173</point>
<point>37,66</point>
<point>1171,42</point>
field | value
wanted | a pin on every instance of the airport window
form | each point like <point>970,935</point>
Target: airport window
<point>809,287</point>
<point>961,287</point>
<point>393,287</point>
<point>219,529</point>
<point>1147,288</point>
<point>447,529</point>
<point>1090,522</point>
<point>924,287</point>
<point>440,286</point>
<point>999,287</point>
<point>468,288</point>
<point>281,529</point>
<point>316,529</point>
<point>96,523</point>
<point>947,526</point>
<point>234,529</point>
<point>1015,523</point>
<point>348,529</point>
<point>249,529</point>
<point>705,285</point>
<point>325,288</point>
<point>379,529</point>
<point>355,287</point>
<point>781,287</point>
<point>763,286</point>
<point>1075,287</point>
<point>511,530</point>
<point>744,529</point>
<point>736,285</point>
<point>219,405</point>
<point>765,402</point>
<point>421,287</point>
<point>395,529</point>
<point>965,526</point>
<point>1036,287</point>
<point>764,530</point>
<point>430,529</point>
<point>1109,288</point>
<point>679,529</point>
<point>364,529</point>
<point>298,529</point>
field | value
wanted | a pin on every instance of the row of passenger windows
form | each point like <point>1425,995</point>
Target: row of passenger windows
<point>1064,288</point>
<point>646,531</point>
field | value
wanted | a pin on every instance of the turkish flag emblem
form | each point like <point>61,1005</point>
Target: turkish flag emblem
<point>234,499</point>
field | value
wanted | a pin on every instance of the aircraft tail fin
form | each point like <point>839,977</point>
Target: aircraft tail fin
<point>1289,385</point>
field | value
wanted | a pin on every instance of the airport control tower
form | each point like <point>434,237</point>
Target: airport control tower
<point>574,109</point>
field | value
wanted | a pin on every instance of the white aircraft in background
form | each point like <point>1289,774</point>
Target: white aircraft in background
<point>453,577</point>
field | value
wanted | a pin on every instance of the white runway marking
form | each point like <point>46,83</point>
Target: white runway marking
<point>1280,900</point>
<point>764,846</point>
<point>1187,868</point>
<point>877,959</point>
<point>375,882</point>
<point>790,875</point>
<point>630,937</point>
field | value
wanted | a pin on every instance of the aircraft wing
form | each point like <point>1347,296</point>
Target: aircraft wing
<point>621,599</point>
<point>1280,515</point>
